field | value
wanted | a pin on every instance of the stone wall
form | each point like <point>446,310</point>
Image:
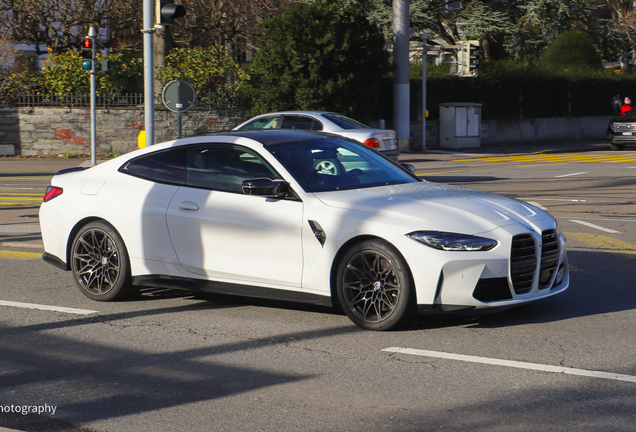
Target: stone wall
<point>45,131</point>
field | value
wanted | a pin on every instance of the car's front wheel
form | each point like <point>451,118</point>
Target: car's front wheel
<point>99,262</point>
<point>375,286</point>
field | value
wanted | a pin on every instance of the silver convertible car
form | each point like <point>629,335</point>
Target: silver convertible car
<point>256,213</point>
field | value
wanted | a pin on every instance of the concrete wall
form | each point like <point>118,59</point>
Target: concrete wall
<point>522,130</point>
<point>46,131</point>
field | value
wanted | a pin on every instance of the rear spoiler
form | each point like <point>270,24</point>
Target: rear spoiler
<point>70,170</point>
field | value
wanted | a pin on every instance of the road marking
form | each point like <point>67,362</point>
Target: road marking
<point>48,308</point>
<point>441,172</point>
<point>19,255</point>
<point>591,225</point>
<point>543,164</point>
<point>605,244</point>
<point>554,199</point>
<point>514,364</point>
<point>537,205</point>
<point>570,175</point>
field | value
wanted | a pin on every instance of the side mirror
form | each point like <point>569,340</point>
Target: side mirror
<point>410,168</point>
<point>265,187</point>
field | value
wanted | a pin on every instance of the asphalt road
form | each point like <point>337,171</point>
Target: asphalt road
<point>169,360</point>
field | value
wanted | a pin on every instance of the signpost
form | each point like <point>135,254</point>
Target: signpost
<point>179,96</point>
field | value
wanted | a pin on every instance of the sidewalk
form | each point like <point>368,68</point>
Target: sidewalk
<point>19,227</point>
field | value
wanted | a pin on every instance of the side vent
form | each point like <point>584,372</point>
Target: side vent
<point>318,232</point>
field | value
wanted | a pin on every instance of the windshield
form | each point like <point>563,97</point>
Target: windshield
<point>345,122</point>
<point>332,163</point>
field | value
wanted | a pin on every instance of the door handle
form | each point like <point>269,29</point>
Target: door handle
<point>188,206</point>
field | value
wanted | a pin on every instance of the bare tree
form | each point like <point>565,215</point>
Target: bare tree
<point>622,30</point>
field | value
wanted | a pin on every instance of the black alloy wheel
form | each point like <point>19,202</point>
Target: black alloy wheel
<point>100,264</point>
<point>375,286</point>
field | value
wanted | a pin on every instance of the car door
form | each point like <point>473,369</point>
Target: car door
<point>219,232</point>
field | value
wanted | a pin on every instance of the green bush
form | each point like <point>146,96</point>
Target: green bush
<point>571,52</point>
<point>62,74</point>
<point>210,71</point>
<point>322,56</point>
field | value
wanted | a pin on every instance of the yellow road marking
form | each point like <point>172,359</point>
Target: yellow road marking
<point>605,244</point>
<point>441,172</point>
<point>6,178</point>
<point>19,198</point>
<point>540,165</point>
<point>19,255</point>
<point>21,193</point>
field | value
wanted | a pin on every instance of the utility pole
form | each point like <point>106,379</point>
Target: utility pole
<point>401,75</point>
<point>88,65</point>
<point>424,111</point>
<point>149,73</point>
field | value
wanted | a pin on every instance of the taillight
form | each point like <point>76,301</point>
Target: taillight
<point>372,142</point>
<point>52,192</point>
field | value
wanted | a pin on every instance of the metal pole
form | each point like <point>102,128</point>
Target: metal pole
<point>401,87</point>
<point>92,33</point>
<point>149,73</point>
<point>424,51</point>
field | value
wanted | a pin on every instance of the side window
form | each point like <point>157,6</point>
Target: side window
<point>168,166</point>
<point>300,122</point>
<point>224,167</point>
<point>272,122</point>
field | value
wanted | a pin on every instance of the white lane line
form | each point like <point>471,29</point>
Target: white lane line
<point>514,364</point>
<point>536,204</point>
<point>591,225</point>
<point>48,308</point>
<point>555,199</point>
<point>568,175</point>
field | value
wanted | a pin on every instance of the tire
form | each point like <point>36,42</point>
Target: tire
<point>100,264</point>
<point>617,147</point>
<point>375,287</point>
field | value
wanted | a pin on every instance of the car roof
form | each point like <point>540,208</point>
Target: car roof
<point>318,113</point>
<point>275,136</point>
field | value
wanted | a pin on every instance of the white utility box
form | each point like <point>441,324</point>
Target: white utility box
<point>459,125</point>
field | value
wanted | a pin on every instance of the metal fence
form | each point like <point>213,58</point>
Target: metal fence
<point>215,101</point>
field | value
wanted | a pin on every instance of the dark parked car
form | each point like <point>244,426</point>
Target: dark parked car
<point>622,131</point>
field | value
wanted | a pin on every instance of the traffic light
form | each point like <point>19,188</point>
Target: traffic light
<point>168,12</point>
<point>88,54</point>
<point>473,58</point>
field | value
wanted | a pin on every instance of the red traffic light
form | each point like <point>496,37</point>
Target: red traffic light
<point>87,44</point>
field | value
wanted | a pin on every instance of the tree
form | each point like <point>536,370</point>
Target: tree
<point>211,72</point>
<point>571,51</point>
<point>622,30</point>
<point>323,56</point>
<point>54,26</point>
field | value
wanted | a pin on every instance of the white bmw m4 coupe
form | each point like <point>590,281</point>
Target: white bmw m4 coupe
<point>302,217</point>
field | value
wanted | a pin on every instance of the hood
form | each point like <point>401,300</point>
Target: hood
<point>438,207</point>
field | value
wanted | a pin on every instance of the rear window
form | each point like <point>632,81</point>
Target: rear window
<point>345,122</point>
<point>167,166</point>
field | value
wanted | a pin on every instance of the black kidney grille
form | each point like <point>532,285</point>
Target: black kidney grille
<point>523,263</point>
<point>549,257</point>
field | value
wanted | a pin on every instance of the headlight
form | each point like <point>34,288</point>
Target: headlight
<point>453,241</point>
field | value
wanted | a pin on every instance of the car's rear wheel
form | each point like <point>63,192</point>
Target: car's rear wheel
<point>99,262</point>
<point>375,286</point>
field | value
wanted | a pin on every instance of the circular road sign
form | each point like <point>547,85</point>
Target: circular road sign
<point>179,96</point>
